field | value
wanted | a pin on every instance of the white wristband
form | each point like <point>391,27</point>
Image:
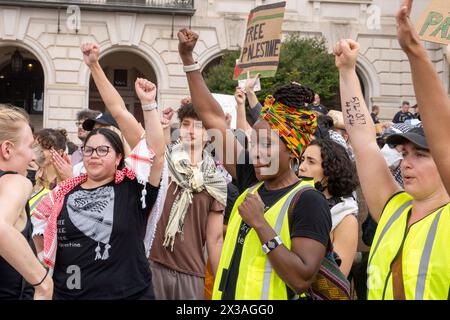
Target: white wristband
<point>149,107</point>
<point>192,67</point>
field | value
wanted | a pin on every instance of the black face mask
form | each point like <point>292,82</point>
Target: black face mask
<point>319,186</point>
<point>31,175</point>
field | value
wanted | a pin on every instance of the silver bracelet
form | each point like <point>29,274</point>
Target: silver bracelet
<point>192,67</point>
<point>150,106</point>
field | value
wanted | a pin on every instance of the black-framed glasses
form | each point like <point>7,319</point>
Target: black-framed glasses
<point>101,151</point>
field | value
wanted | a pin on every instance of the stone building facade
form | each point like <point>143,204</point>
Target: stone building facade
<point>138,38</point>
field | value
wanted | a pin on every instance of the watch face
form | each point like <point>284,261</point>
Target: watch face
<point>271,244</point>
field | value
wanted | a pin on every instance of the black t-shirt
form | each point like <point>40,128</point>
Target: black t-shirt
<point>311,215</point>
<point>311,218</point>
<point>401,117</point>
<point>375,118</point>
<point>232,196</point>
<point>101,252</point>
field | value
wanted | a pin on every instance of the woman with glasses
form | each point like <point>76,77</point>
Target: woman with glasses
<point>96,222</point>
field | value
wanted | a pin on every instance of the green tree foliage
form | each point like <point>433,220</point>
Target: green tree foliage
<point>303,60</point>
<point>219,76</point>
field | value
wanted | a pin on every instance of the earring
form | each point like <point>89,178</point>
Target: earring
<point>296,165</point>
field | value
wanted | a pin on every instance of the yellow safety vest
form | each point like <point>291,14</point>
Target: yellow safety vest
<point>256,279</point>
<point>425,249</point>
<point>36,198</point>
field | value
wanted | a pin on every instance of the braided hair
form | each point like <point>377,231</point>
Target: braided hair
<point>294,95</point>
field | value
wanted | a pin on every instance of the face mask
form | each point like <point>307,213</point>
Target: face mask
<point>392,156</point>
<point>319,186</point>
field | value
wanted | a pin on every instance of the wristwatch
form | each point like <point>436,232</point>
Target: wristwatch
<point>271,244</point>
<point>192,67</point>
<point>150,106</point>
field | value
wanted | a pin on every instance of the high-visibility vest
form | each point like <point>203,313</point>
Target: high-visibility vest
<point>425,250</point>
<point>256,279</point>
<point>36,198</point>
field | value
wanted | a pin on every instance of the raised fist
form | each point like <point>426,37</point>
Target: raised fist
<point>186,43</point>
<point>346,52</point>
<point>145,90</point>
<point>90,51</point>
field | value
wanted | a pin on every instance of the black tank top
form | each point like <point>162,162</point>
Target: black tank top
<point>12,284</point>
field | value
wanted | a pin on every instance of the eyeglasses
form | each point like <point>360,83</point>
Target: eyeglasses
<point>101,151</point>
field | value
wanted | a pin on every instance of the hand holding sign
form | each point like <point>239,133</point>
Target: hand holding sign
<point>252,83</point>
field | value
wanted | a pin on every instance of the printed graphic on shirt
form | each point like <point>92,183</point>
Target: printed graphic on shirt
<point>92,212</point>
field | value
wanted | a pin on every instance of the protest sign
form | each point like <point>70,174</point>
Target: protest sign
<point>261,50</point>
<point>434,24</point>
<point>256,88</point>
<point>228,104</point>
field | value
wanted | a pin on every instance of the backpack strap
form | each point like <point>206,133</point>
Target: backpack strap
<point>328,271</point>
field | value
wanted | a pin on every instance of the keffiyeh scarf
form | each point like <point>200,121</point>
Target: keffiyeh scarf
<point>191,180</point>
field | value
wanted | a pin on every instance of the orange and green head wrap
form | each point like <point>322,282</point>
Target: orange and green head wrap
<point>294,126</point>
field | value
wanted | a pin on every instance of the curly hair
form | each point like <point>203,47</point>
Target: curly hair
<point>337,166</point>
<point>52,138</point>
<point>187,111</point>
<point>294,95</point>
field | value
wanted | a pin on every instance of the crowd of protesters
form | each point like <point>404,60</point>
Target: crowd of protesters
<point>274,210</point>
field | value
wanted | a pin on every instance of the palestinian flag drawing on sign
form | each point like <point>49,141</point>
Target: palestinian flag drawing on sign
<point>261,50</point>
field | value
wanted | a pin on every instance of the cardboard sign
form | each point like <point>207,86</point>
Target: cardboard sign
<point>228,104</point>
<point>261,50</point>
<point>256,88</point>
<point>434,24</point>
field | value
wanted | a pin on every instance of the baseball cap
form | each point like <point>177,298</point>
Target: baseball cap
<point>104,118</point>
<point>416,135</point>
<point>319,108</point>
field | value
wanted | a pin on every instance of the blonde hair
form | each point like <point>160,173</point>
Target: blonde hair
<point>11,121</point>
